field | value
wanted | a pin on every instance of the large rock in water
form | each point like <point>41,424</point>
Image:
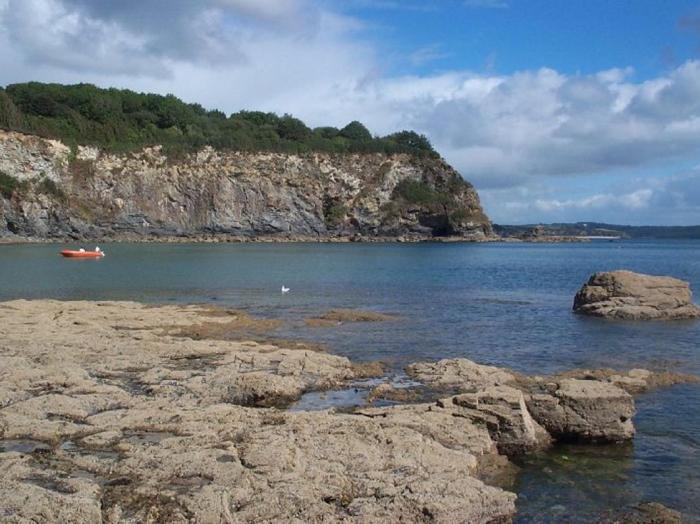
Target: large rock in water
<point>586,410</point>
<point>634,296</point>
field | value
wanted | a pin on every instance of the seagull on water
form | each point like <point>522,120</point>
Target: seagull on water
<point>285,290</point>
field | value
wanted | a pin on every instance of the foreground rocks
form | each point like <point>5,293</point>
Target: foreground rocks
<point>109,413</point>
<point>118,412</point>
<point>579,405</point>
<point>633,296</point>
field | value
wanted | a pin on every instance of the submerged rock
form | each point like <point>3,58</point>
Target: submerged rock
<point>633,296</point>
<point>335,317</point>
<point>645,513</point>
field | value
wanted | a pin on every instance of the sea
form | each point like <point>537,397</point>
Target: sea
<point>504,304</point>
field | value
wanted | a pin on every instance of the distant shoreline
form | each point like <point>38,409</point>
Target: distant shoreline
<point>599,229</point>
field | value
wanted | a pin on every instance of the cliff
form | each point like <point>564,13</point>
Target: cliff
<point>49,190</point>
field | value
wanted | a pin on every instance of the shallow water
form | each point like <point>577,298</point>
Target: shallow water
<point>502,304</point>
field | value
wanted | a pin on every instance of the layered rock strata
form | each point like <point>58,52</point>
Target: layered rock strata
<point>84,192</point>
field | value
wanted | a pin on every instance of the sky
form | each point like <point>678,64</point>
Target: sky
<point>556,110</point>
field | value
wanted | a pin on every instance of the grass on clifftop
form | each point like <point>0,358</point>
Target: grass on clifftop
<point>121,120</point>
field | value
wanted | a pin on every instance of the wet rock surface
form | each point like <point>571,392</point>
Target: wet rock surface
<point>626,295</point>
<point>109,414</point>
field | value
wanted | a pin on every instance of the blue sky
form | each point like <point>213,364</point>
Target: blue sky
<point>503,36</point>
<point>557,110</point>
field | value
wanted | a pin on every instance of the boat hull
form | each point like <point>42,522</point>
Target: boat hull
<point>69,253</point>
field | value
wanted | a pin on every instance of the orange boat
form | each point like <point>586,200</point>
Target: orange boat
<point>81,253</point>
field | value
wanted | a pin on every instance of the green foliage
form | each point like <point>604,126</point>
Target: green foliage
<point>460,215</point>
<point>411,140</point>
<point>122,120</point>
<point>290,128</point>
<point>49,187</point>
<point>418,192</point>
<point>356,131</point>
<point>9,114</point>
<point>333,212</point>
<point>9,184</point>
<point>326,132</point>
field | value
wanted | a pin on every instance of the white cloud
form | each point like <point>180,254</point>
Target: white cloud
<point>671,199</point>
<point>635,200</point>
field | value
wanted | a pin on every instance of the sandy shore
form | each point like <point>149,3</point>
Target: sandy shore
<point>122,412</point>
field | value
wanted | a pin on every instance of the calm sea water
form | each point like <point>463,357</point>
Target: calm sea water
<point>502,304</point>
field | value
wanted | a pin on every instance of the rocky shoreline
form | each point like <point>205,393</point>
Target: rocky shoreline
<point>124,412</point>
<point>229,239</point>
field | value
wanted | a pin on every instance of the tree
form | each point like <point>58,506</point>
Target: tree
<point>10,116</point>
<point>356,131</point>
<point>123,120</point>
<point>290,128</point>
<point>411,140</point>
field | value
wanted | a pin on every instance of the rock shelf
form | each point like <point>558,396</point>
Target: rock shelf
<point>120,412</point>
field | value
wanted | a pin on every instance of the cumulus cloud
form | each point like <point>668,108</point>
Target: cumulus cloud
<point>142,36</point>
<point>635,200</point>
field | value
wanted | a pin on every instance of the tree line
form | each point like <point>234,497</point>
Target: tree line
<point>121,120</point>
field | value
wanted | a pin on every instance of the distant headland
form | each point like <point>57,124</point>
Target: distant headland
<point>81,162</point>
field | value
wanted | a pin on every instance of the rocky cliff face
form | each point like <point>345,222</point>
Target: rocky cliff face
<point>49,190</point>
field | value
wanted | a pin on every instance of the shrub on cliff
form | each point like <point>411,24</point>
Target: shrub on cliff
<point>122,120</point>
<point>418,192</point>
<point>9,184</point>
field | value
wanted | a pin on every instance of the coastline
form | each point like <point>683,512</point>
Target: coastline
<point>116,409</point>
<point>275,239</point>
<point>234,239</point>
